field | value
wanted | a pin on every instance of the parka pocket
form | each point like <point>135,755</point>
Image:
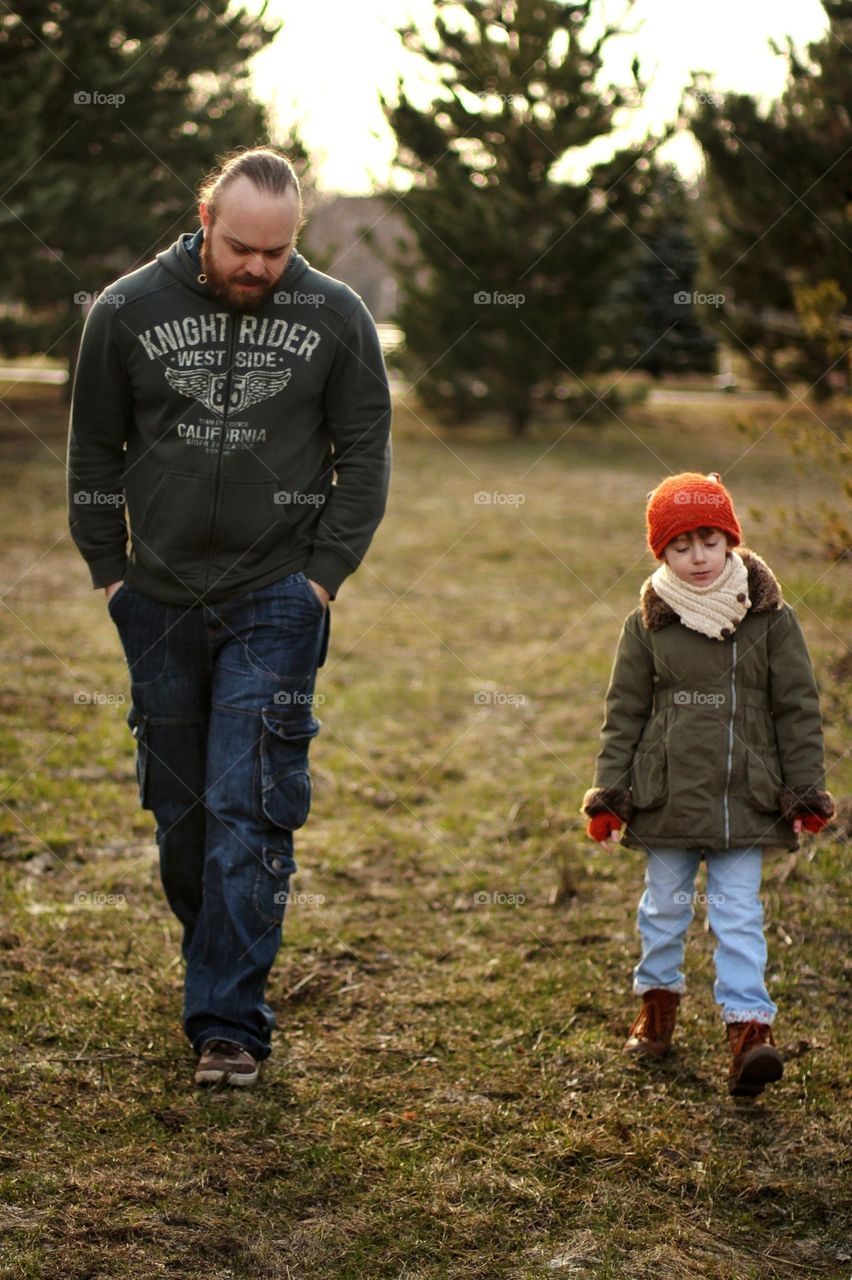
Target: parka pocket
<point>272,884</point>
<point>764,781</point>
<point>649,782</point>
<point>284,780</point>
<point>139,728</point>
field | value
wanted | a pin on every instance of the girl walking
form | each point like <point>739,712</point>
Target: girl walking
<point>711,748</point>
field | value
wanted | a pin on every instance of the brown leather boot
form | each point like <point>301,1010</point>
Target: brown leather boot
<point>756,1061</point>
<point>651,1033</point>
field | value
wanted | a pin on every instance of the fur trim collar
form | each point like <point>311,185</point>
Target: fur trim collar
<point>763,589</point>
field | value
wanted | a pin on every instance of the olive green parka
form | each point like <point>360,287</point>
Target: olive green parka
<point>711,744</point>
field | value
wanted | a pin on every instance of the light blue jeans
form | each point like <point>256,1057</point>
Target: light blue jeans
<point>735,913</point>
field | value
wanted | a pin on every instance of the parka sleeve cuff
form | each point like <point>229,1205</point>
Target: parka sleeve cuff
<point>799,802</point>
<point>615,800</point>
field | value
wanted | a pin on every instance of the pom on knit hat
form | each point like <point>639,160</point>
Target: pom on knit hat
<point>689,501</point>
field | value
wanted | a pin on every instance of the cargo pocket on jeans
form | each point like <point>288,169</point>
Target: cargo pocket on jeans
<point>285,783</point>
<point>272,884</point>
<point>139,728</point>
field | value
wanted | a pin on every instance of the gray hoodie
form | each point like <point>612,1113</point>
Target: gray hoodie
<point>222,432</point>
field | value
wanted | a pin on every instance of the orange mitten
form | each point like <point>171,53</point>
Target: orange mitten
<point>602,825</point>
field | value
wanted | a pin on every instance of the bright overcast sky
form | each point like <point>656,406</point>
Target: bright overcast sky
<point>332,58</point>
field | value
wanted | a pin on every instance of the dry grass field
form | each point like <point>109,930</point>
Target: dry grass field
<point>446,1098</point>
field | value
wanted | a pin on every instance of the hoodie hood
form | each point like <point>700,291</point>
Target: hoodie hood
<point>182,260</point>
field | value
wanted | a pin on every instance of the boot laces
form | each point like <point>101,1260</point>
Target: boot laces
<point>654,1020</point>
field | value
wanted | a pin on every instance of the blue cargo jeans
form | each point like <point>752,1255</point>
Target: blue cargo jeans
<point>222,710</point>
<point>735,914</point>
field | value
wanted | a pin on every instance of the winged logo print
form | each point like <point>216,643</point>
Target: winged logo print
<point>246,388</point>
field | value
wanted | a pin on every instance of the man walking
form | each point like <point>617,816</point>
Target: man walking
<point>219,389</point>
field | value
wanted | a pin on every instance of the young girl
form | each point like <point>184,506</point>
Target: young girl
<point>711,746</point>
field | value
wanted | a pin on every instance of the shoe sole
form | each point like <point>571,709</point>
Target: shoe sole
<point>241,1080</point>
<point>761,1067</point>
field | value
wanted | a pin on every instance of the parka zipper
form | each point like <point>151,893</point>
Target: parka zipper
<point>730,744</point>
<point>217,474</point>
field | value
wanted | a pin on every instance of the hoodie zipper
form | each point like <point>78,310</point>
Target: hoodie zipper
<point>217,474</point>
<point>726,808</point>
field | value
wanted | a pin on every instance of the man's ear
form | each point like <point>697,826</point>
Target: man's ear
<point>204,215</point>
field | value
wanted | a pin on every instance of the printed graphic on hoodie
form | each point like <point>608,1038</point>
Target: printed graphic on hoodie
<point>193,353</point>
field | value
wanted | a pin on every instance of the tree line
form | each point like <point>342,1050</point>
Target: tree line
<point>526,274</point>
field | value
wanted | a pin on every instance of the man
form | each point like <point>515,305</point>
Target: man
<point>218,390</point>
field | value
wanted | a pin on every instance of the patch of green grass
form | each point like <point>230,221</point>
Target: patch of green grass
<point>446,1097</point>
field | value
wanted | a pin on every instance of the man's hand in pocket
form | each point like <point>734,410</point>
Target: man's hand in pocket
<point>321,591</point>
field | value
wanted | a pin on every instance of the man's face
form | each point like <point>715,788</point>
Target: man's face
<point>247,246</point>
<point>697,557</point>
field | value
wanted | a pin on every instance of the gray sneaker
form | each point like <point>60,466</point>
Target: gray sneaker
<point>223,1061</point>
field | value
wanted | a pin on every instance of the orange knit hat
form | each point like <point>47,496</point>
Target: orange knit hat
<point>689,501</point>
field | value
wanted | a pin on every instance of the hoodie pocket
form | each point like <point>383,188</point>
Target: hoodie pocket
<point>170,531</point>
<point>253,521</point>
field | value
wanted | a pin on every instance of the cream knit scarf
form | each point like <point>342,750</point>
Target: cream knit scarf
<point>714,610</point>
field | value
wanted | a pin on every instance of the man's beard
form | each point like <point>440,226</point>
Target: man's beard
<point>227,291</point>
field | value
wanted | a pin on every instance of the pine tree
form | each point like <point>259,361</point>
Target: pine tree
<point>670,336</point>
<point>779,235</point>
<point>506,298</point>
<point>114,113</point>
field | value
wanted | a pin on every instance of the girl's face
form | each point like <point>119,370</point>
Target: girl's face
<point>697,557</point>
